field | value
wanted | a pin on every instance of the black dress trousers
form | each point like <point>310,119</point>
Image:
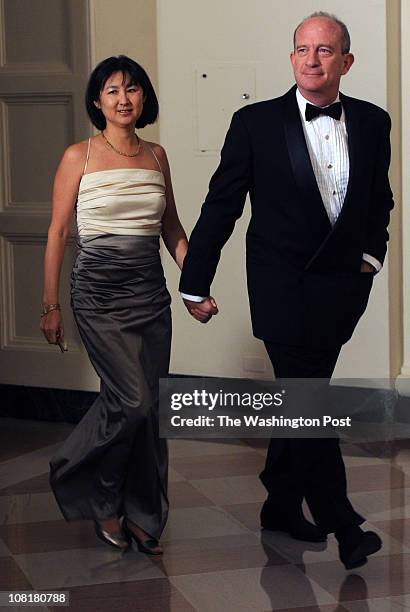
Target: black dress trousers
<point>305,467</point>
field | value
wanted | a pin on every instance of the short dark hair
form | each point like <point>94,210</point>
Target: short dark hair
<point>345,36</point>
<point>138,76</point>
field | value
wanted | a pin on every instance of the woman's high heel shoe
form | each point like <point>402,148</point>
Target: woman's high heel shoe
<point>151,546</point>
<point>116,539</point>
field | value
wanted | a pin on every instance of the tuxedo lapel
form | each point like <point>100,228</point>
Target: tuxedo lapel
<point>302,166</point>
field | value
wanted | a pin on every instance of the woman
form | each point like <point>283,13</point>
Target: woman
<point>114,465</point>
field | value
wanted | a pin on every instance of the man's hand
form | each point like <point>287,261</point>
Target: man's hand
<point>202,311</point>
<point>366,267</point>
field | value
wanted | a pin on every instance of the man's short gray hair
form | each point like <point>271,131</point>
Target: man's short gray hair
<point>345,38</point>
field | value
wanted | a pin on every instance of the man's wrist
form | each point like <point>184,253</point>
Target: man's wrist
<point>372,261</point>
<point>192,298</point>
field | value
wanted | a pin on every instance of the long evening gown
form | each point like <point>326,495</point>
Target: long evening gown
<point>114,463</point>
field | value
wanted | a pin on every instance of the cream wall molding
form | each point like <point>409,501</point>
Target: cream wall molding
<point>2,35</point>
<point>403,380</point>
<point>9,338</point>
<point>41,67</point>
<point>27,99</point>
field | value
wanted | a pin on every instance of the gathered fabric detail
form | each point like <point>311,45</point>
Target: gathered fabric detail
<point>125,201</point>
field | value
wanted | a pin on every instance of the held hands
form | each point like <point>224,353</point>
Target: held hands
<point>202,311</point>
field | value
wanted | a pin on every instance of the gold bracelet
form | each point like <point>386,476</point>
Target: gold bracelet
<point>48,308</point>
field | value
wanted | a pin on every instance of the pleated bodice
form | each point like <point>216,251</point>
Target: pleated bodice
<point>128,201</point>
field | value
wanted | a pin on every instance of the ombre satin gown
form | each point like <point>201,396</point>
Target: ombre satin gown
<point>114,463</point>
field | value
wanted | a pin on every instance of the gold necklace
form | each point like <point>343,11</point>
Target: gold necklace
<point>121,152</point>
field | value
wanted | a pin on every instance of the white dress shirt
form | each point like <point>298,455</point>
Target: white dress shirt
<point>326,140</point>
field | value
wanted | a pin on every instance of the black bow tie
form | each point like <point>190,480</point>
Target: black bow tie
<point>334,111</point>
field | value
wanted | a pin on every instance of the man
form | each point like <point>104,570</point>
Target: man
<point>315,163</point>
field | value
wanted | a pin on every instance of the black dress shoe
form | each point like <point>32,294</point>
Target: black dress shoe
<point>355,545</point>
<point>298,528</point>
<point>116,539</point>
<point>151,546</point>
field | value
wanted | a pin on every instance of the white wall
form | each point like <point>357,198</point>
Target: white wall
<point>127,27</point>
<point>193,32</point>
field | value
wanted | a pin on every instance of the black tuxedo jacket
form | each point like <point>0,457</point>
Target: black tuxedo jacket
<point>304,281</point>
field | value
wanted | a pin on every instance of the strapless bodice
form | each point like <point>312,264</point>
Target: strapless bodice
<point>121,201</point>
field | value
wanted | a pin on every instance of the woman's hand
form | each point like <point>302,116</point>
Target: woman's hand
<point>52,327</point>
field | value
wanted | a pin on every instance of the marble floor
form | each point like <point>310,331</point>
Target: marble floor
<point>216,558</point>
